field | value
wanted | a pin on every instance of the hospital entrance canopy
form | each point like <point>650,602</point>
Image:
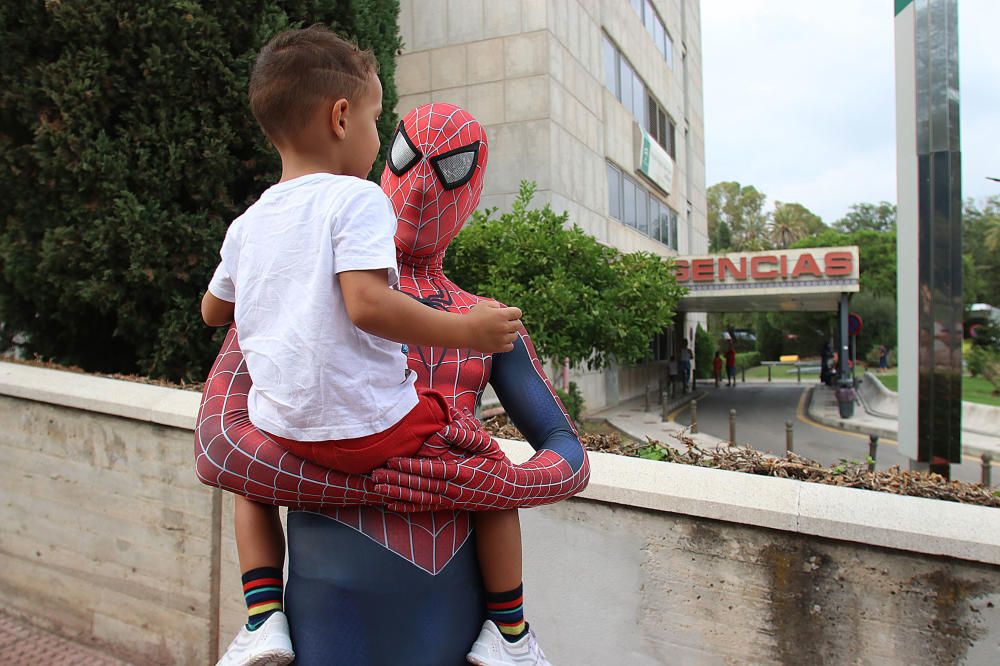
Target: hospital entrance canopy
<point>803,280</point>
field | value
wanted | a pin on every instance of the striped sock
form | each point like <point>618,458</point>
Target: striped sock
<point>262,591</point>
<point>506,610</point>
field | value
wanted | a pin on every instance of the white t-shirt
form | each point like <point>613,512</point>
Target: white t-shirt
<point>316,376</point>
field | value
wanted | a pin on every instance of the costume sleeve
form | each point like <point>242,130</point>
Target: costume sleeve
<point>232,454</point>
<point>532,405</point>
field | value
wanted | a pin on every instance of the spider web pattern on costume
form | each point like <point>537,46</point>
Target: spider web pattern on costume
<point>478,483</point>
<point>232,454</point>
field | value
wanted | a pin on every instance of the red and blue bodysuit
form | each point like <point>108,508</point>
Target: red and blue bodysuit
<point>382,569</point>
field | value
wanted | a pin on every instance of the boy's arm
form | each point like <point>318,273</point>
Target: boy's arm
<point>376,308</point>
<point>215,311</point>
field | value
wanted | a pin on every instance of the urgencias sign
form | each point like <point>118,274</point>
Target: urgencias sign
<point>772,266</point>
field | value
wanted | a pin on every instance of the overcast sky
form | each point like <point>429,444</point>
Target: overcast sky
<point>800,99</point>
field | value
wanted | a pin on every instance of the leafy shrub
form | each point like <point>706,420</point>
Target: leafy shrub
<point>581,300</point>
<point>704,352</point>
<point>878,314</point>
<point>747,360</point>
<point>126,148</point>
<point>770,343</point>
<point>572,400</point>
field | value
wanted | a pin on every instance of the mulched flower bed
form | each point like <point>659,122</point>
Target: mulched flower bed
<point>849,474</point>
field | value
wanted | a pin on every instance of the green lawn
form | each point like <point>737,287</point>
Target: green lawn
<point>974,389</point>
<point>777,372</point>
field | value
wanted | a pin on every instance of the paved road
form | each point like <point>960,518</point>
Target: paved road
<point>761,413</point>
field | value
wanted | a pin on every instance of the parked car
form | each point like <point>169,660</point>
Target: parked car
<point>744,340</point>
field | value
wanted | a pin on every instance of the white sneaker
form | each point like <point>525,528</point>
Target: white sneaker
<point>269,645</point>
<point>492,649</point>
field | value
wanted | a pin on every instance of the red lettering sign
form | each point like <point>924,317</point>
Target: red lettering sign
<point>682,270</point>
<point>759,274</point>
<point>838,264</point>
<point>727,266</point>
<point>763,267</point>
<point>703,270</point>
<point>806,264</point>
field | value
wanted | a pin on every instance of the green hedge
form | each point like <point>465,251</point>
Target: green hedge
<point>746,360</point>
<point>126,148</point>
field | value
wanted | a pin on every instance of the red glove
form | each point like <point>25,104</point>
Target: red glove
<point>463,436</point>
<point>480,483</point>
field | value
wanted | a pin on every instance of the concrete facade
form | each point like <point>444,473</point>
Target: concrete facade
<point>532,72</point>
<point>109,539</point>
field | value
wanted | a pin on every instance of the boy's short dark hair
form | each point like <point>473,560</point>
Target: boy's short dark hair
<point>298,70</point>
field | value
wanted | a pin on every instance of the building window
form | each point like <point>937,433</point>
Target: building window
<point>628,199</point>
<point>639,208</point>
<point>660,126</point>
<point>611,68</point>
<point>614,192</point>
<point>642,210</point>
<point>655,27</point>
<point>621,79</point>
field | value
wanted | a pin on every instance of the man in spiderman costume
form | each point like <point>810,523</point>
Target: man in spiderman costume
<point>382,569</point>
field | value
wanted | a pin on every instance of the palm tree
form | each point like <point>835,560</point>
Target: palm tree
<point>791,222</point>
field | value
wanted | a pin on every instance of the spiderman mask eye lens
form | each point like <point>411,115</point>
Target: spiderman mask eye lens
<point>402,153</point>
<point>455,168</point>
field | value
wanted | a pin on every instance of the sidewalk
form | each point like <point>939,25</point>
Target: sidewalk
<point>630,419</point>
<point>24,645</point>
<point>823,409</point>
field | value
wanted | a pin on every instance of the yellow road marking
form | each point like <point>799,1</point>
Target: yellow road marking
<point>800,413</point>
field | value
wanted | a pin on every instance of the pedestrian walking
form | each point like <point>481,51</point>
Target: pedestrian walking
<point>717,369</point>
<point>685,364</point>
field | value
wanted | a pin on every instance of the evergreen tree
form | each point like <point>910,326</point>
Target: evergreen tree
<point>126,148</point>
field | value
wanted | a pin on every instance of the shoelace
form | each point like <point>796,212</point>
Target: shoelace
<point>534,647</point>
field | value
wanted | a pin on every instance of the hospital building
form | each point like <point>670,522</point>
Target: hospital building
<point>599,102</point>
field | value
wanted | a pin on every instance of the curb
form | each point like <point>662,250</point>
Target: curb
<point>847,426</point>
<point>683,400</point>
<point>842,424</point>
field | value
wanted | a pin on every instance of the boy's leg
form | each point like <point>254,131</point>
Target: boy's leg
<point>498,544</point>
<point>260,543</point>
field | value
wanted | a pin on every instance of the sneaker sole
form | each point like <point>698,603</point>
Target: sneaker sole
<point>478,661</point>
<point>272,658</point>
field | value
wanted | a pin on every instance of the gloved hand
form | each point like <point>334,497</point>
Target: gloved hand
<point>479,482</point>
<point>463,436</point>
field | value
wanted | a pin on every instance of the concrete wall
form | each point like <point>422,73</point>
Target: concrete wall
<point>108,538</point>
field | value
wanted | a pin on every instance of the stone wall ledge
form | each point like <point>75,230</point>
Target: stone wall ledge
<point>131,400</point>
<point>910,524</point>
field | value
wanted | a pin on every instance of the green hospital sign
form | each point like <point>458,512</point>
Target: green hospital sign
<point>654,162</point>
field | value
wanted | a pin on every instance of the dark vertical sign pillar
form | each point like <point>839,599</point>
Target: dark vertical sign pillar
<point>929,232</point>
